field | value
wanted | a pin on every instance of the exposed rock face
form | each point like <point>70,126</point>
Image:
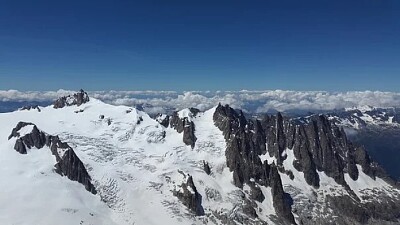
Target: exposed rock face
<point>33,139</point>
<point>190,197</point>
<point>163,119</point>
<point>256,193</point>
<point>181,124</point>
<point>368,166</point>
<point>317,145</point>
<point>184,125</point>
<point>188,133</point>
<point>245,142</point>
<point>206,168</point>
<point>78,99</point>
<point>20,146</point>
<point>68,163</point>
<point>30,107</point>
<point>328,146</point>
<point>279,197</point>
<point>194,111</point>
<point>352,212</point>
<point>275,130</point>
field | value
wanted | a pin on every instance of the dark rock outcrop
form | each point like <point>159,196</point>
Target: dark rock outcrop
<point>317,144</point>
<point>78,99</point>
<point>248,208</point>
<point>304,158</point>
<point>68,163</point>
<point>30,107</point>
<point>163,120</point>
<point>277,130</point>
<point>188,133</point>
<point>16,129</point>
<point>206,167</point>
<point>328,146</point>
<point>281,204</point>
<point>256,193</point>
<point>194,111</point>
<point>186,126</point>
<point>34,138</point>
<point>20,146</point>
<point>189,196</point>
<point>79,111</point>
<point>369,167</point>
<point>245,142</point>
<point>243,146</point>
<point>352,212</point>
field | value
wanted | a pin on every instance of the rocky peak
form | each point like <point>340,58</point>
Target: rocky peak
<point>190,197</point>
<point>162,119</point>
<point>68,163</point>
<point>78,99</point>
<point>318,145</point>
<point>278,132</point>
<point>31,107</point>
<point>182,122</point>
<point>245,142</point>
<point>322,145</point>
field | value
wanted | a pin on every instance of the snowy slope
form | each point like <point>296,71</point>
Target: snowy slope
<point>133,166</point>
<point>32,193</point>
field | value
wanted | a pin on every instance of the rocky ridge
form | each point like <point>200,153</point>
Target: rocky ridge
<point>182,124</point>
<point>68,163</point>
<point>318,146</point>
<point>256,153</point>
<point>190,197</point>
<point>30,107</point>
<point>78,99</point>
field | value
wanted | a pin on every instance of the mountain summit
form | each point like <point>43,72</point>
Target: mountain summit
<point>120,166</point>
<point>78,99</point>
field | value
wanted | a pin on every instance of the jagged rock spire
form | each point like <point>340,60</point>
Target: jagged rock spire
<point>185,125</point>
<point>245,142</point>
<point>190,197</point>
<point>318,146</point>
<point>78,99</point>
<point>68,163</point>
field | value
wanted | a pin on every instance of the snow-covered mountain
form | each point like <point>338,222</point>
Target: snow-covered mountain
<point>361,117</point>
<point>376,128</point>
<point>82,161</point>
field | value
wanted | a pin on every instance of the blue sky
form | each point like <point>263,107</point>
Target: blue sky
<point>200,45</point>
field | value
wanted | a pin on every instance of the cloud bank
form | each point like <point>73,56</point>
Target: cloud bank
<point>249,101</point>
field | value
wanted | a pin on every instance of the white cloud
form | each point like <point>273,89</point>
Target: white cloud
<point>14,95</point>
<point>250,101</point>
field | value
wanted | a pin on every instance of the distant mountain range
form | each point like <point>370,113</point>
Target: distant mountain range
<point>9,106</point>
